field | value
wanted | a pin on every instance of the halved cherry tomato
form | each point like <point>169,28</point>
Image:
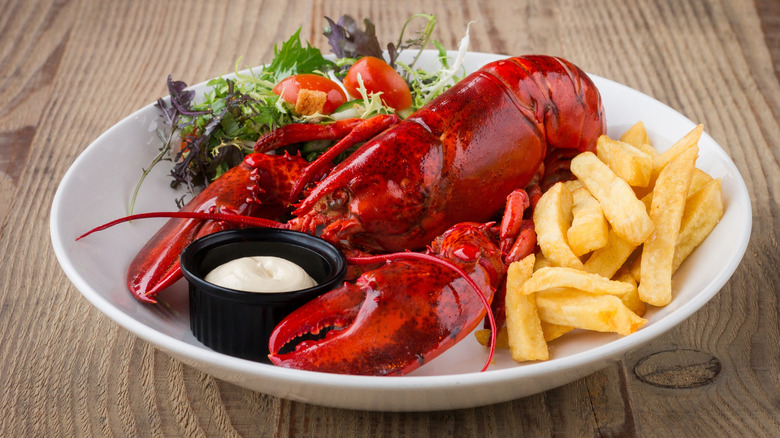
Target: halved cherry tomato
<point>291,85</point>
<point>377,77</point>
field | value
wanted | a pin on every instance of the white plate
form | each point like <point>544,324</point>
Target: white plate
<point>98,185</point>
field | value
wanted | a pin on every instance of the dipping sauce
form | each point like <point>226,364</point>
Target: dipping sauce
<point>261,274</point>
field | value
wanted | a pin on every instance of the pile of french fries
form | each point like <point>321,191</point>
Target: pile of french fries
<point>610,241</point>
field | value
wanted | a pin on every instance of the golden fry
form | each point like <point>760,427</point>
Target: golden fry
<point>631,299</point>
<point>561,277</point>
<point>628,162</point>
<point>551,332</point>
<point>702,212</point>
<point>573,184</point>
<point>648,149</point>
<point>552,217</point>
<point>502,339</point>
<point>541,262</point>
<point>554,331</point>
<point>636,135</point>
<point>606,261</point>
<point>589,228</point>
<point>666,210</point>
<point>526,339</point>
<point>627,215</point>
<point>602,313</point>
<point>699,179</point>
<point>660,161</point>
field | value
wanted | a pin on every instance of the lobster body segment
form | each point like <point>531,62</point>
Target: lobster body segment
<point>397,317</point>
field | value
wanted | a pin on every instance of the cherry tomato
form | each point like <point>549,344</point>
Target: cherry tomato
<point>291,85</point>
<point>377,77</point>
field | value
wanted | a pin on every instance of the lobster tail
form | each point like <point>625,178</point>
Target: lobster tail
<point>562,98</point>
<point>564,101</point>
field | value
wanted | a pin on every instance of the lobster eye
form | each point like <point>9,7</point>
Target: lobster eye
<point>337,200</point>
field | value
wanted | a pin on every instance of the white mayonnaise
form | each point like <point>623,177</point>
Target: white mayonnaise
<point>261,274</point>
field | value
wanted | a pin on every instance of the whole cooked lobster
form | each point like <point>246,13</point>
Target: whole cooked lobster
<point>513,124</point>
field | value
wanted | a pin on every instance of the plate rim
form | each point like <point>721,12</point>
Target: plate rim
<point>191,354</point>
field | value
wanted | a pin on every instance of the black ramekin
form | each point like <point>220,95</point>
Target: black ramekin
<point>239,323</point>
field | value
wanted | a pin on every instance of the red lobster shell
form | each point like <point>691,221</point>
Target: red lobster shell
<point>455,160</point>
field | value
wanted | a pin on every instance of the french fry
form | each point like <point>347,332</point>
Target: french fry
<point>668,204</point>
<point>634,268</point>
<point>561,277</point>
<point>502,338</point>
<point>607,260</point>
<point>689,140</point>
<point>541,262</point>
<point>602,313</point>
<point>526,339</point>
<point>699,179</point>
<point>628,162</point>
<point>554,331</point>
<point>648,149</point>
<point>588,229</point>
<point>702,212</point>
<point>551,332</point>
<point>631,299</point>
<point>552,217</point>
<point>636,135</point>
<point>573,184</point>
<point>627,215</point>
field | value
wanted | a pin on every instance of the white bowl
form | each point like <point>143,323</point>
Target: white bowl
<point>97,188</point>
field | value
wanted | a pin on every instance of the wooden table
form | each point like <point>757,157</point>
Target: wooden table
<point>71,69</point>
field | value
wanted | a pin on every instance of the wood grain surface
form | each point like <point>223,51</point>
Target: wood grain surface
<point>70,69</point>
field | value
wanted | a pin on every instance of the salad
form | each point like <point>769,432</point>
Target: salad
<point>206,138</point>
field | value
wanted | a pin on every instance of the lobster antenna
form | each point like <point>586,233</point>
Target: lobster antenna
<point>225,217</point>
<point>367,260</point>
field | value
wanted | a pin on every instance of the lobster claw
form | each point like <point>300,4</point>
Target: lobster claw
<point>397,317</point>
<point>258,187</point>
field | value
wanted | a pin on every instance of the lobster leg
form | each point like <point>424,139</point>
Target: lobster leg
<point>359,133</point>
<point>259,186</point>
<point>524,243</point>
<point>300,132</point>
<point>516,204</point>
<point>397,317</point>
<point>517,239</point>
